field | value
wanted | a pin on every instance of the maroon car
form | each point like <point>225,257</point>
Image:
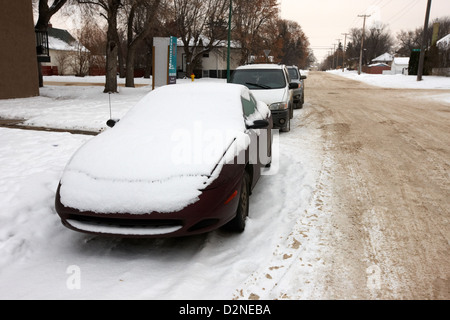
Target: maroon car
<point>183,161</point>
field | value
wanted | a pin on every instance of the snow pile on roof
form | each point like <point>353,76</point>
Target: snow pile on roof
<point>161,154</point>
<point>386,57</point>
<point>378,65</point>
<point>60,45</point>
<point>444,43</point>
<point>205,41</point>
<point>401,61</point>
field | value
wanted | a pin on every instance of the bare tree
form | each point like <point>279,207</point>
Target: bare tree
<point>46,12</point>
<point>140,17</point>
<point>201,26</point>
<point>289,45</point>
<point>251,20</point>
<point>110,10</point>
<point>82,57</point>
<point>412,39</point>
<point>377,40</point>
<point>63,62</point>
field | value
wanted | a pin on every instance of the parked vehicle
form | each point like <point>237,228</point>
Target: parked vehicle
<point>183,161</point>
<point>299,93</point>
<point>270,84</point>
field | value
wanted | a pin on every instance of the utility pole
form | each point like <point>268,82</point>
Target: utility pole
<point>334,53</point>
<point>362,41</point>
<point>337,57</point>
<point>424,43</point>
<point>345,49</point>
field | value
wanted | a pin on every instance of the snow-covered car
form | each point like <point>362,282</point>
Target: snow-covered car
<point>183,161</point>
<point>299,93</point>
<point>270,84</point>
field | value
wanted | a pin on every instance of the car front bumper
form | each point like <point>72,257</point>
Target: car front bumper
<point>280,118</point>
<point>213,210</point>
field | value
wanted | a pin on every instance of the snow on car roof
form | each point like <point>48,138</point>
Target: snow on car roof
<point>166,146</point>
<point>261,66</point>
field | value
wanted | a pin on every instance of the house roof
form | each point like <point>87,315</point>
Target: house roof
<point>385,57</point>
<point>62,40</point>
<point>379,64</point>
<point>60,34</point>
<point>444,43</point>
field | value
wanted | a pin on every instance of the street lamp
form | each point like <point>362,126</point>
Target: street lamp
<point>229,42</point>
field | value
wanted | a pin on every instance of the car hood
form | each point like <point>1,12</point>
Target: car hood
<point>271,96</point>
<point>154,160</point>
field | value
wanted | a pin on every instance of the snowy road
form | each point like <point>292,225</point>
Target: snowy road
<point>358,210</point>
<point>389,151</point>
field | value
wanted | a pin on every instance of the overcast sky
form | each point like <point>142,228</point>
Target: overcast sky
<point>324,21</point>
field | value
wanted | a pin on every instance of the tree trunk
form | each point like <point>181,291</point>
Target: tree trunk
<point>129,78</point>
<point>189,63</point>
<point>112,48</point>
<point>120,56</point>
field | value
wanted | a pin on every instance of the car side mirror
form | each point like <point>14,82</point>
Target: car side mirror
<point>293,85</point>
<point>259,124</point>
<point>303,77</point>
<point>112,122</point>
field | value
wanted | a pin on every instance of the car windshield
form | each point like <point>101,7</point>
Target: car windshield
<point>260,79</point>
<point>293,73</point>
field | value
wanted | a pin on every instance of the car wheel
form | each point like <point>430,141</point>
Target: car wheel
<point>238,223</point>
<point>287,128</point>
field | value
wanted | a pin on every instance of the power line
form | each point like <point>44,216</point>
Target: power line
<point>403,11</point>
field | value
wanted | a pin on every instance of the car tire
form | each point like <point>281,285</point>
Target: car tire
<point>238,223</point>
<point>287,128</point>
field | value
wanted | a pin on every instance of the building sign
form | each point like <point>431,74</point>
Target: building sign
<point>173,60</point>
<point>164,61</point>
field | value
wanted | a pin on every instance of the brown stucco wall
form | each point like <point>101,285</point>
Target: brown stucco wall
<point>18,61</point>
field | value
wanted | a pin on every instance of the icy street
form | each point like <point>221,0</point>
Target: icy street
<point>358,210</point>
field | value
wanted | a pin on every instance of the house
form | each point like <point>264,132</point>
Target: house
<point>444,43</point>
<point>385,58</point>
<point>400,65</point>
<point>443,68</point>
<point>376,68</point>
<point>65,52</point>
<point>213,63</point>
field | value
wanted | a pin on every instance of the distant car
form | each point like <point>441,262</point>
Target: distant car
<point>183,161</point>
<point>270,84</point>
<point>299,93</point>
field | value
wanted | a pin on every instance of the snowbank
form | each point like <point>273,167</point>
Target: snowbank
<point>397,81</point>
<point>400,81</point>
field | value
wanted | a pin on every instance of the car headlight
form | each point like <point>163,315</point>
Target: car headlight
<point>279,106</point>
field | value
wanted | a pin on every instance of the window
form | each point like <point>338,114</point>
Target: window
<point>293,73</point>
<point>257,79</point>
<point>249,106</point>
